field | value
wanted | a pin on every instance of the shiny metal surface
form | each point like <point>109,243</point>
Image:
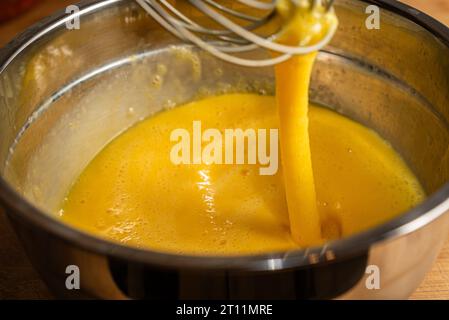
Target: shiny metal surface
<point>395,80</point>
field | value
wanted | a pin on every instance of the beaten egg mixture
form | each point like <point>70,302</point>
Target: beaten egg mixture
<point>336,176</point>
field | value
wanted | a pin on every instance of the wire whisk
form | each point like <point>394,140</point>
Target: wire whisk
<point>227,42</point>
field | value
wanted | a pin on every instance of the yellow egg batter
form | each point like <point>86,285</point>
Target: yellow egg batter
<point>303,27</point>
<point>337,177</point>
<point>132,193</point>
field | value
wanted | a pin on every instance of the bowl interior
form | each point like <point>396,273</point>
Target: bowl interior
<point>58,92</point>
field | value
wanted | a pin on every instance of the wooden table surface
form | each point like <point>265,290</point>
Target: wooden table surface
<point>18,280</point>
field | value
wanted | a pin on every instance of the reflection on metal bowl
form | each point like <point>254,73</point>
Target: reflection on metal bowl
<point>394,80</point>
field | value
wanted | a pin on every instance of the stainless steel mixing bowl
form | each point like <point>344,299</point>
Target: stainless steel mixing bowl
<point>65,93</point>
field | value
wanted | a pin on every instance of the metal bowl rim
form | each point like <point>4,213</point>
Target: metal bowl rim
<point>431,209</point>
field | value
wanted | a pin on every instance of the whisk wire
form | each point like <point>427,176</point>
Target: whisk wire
<point>233,38</point>
<point>235,13</point>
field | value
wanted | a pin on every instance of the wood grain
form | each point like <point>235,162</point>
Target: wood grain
<point>19,280</point>
<point>436,283</point>
<point>439,9</point>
